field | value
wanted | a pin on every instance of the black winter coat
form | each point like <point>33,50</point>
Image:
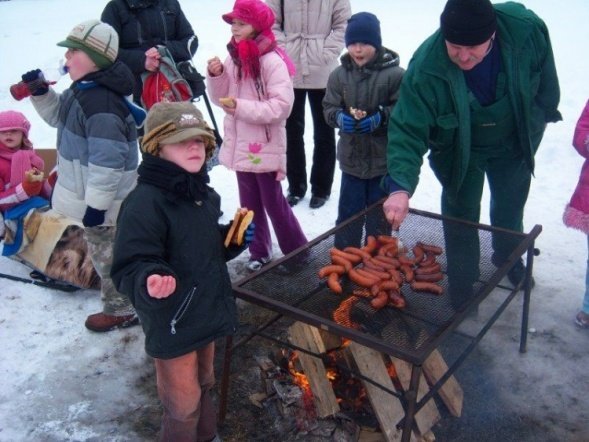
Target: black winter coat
<point>143,24</point>
<point>169,225</point>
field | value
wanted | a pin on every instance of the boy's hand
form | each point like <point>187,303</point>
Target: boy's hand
<point>160,286</point>
<point>35,82</point>
<point>93,217</point>
<point>345,122</point>
<point>370,123</point>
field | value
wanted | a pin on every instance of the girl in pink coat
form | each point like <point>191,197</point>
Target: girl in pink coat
<point>254,88</point>
<point>576,213</point>
<point>16,158</point>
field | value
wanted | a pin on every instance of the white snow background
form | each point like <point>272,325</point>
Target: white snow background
<point>59,381</point>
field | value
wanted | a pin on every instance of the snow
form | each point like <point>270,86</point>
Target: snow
<point>61,382</point>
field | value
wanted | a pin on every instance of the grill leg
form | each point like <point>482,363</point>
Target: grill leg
<point>411,400</point>
<point>523,342</point>
<point>225,379</point>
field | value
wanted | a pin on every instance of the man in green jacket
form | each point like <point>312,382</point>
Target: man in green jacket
<point>477,95</point>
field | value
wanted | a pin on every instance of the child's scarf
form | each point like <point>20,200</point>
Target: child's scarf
<point>246,54</point>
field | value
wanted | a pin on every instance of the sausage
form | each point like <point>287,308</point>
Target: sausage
<point>356,251</point>
<point>341,261</point>
<point>387,261</point>
<point>429,287</point>
<point>365,273</point>
<point>354,259</point>
<point>371,244</point>
<point>429,270</point>
<point>376,273</point>
<point>333,283</point>
<point>407,272</point>
<point>372,263</point>
<point>396,276</point>
<point>380,300</point>
<point>429,259</point>
<point>362,293</point>
<point>325,271</point>
<point>361,280</point>
<point>389,249</point>
<point>396,299</point>
<point>418,253</point>
<point>386,239</point>
<point>405,260</point>
<point>389,285</point>
<point>434,277</point>
<point>430,248</point>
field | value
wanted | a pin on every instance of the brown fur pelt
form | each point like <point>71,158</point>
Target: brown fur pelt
<point>70,260</point>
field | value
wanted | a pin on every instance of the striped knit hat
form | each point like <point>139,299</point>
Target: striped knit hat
<point>97,39</point>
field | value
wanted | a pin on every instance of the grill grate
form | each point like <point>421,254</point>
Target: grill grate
<point>292,284</point>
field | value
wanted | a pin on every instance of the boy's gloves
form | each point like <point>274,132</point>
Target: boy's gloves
<point>93,217</point>
<point>35,82</point>
<point>345,122</point>
<point>248,235</point>
<point>32,188</point>
<point>370,123</point>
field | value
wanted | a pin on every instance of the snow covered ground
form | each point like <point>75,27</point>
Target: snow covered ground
<point>61,382</point>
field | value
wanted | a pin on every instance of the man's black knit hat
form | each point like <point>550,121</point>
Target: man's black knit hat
<point>468,22</point>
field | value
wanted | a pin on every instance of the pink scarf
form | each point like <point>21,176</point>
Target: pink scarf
<point>246,54</point>
<point>20,160</point>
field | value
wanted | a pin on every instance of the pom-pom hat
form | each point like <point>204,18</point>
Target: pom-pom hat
<point>98,40</point>
<point>253,12</point>
<point>468,22</point>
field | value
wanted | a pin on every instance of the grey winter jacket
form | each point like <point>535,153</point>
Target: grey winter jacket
<point>312,33</point>
<point>97,150</point>
<point>373,87</point>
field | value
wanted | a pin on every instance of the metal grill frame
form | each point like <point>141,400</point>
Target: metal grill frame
<point>416,356</point>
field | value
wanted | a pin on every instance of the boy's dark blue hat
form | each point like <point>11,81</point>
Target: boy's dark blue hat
<point>364,27</point>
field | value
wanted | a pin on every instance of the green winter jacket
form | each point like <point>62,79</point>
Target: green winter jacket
<point>433,110</point>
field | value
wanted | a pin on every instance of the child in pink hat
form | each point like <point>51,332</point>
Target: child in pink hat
<point>254,87</point>
<point>21,169</point>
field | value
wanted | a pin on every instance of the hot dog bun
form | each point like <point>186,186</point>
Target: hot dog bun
<point>242,219</point>
<point>227,101</point>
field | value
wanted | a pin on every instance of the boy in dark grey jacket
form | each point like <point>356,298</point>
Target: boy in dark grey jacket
<point>360,95</point>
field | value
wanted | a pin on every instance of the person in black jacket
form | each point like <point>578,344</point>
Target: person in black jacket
<point>144,24</point>
<point>170,260</point>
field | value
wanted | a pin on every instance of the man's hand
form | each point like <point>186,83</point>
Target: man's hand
<point>396,208</point>
<point>160,286</point>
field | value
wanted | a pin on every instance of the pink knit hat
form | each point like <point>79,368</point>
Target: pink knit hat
<point>13,120</point>
<point>253,12</point>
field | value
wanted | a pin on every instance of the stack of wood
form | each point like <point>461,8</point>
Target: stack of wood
<point>376,366</point>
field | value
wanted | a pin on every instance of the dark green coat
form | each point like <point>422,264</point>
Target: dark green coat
<point>433,109</point>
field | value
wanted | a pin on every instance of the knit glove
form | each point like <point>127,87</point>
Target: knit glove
<point>32,188</point>
<point>345,122</point>
<point>93,217</point>
<point>35,82</point>
<point>370,123</point>
<point>248,235</point>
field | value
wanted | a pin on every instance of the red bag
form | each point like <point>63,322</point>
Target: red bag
<point>166,84</point>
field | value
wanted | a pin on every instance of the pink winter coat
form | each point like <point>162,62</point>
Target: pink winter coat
<point>576,213</point>
<point>254,138</point>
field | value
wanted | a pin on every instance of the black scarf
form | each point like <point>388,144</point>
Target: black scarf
<point>172,178</point>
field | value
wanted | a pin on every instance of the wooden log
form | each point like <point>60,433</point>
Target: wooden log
<point>429,415</point>
<point>451,393</point>
<point>388,409</point>
<point>307,337</point>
